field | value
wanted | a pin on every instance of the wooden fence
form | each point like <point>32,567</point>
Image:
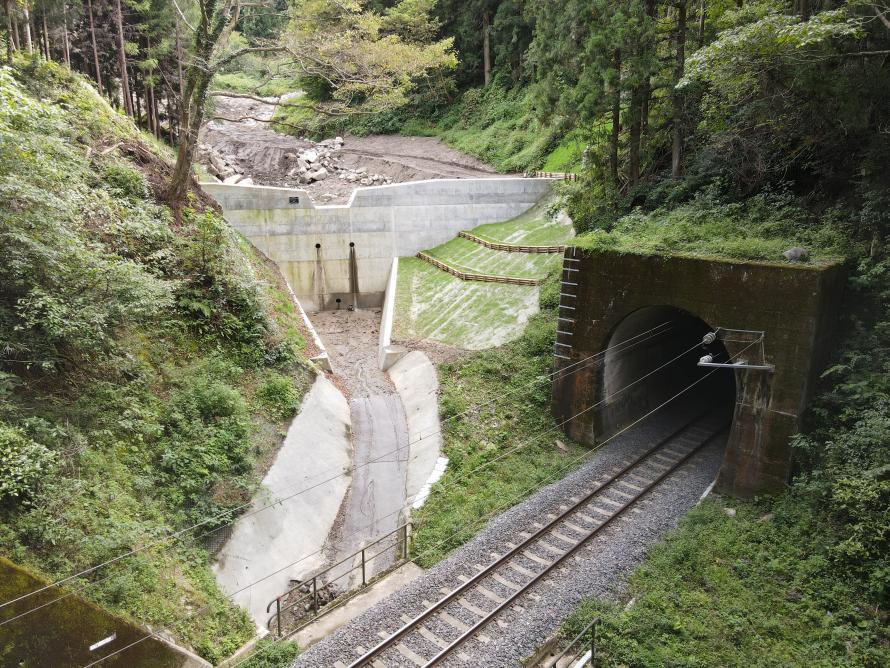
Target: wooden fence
<point>485,278</point>
<point>510,248</point>
<point>565,176</point>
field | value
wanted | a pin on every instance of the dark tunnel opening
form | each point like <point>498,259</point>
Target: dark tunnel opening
<point>651,358</point>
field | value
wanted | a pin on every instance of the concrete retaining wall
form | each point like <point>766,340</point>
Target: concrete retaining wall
<point>311,243</point>
<point>389,354</point>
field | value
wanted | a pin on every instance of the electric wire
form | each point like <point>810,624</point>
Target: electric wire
<point>180,532</point>
<point>515,499</point>
<point>446,484</point>
<point>504,506</point>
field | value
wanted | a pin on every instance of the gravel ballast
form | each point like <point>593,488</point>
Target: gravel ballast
<point>598,569</point>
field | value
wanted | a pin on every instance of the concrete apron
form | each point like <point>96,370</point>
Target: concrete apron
<point>281,542</point>
<point>377,496</point>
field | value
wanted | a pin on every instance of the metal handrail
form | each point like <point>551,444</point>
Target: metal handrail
<point>595,622</point>
<point>402,534</point>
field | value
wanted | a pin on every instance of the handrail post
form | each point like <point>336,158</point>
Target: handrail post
<point>315,594</point>
<point>364,581</point>
<point>593,647</point>
<point>278,614</point>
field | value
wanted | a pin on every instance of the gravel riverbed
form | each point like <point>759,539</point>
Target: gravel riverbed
<point>599,569</point>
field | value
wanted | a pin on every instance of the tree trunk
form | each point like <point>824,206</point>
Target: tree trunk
<point>95,50</point>
<point>46,36</point>
<point>190,123</point>
<point>15,31</point>
<point>677,148</point>
<point>702,11</point>
<point>616,122</point>
<point>122,59</point>
<point>634,136</point>
<point>486,48</point>
<point>10,33</point>
<point>66,44</point>
<point>27,16</point>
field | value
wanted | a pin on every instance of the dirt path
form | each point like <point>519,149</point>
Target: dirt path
<point>248,144</point>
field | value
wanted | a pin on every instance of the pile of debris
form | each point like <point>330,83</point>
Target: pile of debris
<point>300,167</point>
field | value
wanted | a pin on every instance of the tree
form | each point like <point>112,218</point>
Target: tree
<point>360,60</point>
<point>677,144</point>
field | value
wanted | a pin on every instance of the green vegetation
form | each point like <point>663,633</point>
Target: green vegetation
<point>761,227</point>
<point>272,653</point>
<point>505,393</point>
<point>760,588</point>
<point>148,369</point>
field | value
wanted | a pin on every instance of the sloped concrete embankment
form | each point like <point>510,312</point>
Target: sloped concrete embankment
<point>257,562</point>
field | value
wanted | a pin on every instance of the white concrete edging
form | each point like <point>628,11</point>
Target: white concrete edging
<point>322,359</point>
<point>388,354</point>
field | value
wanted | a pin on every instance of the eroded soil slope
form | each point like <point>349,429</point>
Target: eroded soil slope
<point>246,143</point>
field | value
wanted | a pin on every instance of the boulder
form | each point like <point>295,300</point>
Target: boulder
<point>233,179</point>
<point>317,174</point>
<point>290,156</point>
<point>309,156</point>
<point>796,254</point>
<point>246,182</point>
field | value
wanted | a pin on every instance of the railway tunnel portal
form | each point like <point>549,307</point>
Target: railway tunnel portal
<point>630,336</point>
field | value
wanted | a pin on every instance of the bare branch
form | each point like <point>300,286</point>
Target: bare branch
<point>182,16</point>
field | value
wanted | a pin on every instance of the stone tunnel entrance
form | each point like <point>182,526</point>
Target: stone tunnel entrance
<point>651,361</point>
<point>608,296</point>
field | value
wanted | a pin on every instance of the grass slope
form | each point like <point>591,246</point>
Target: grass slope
<point>434,305</point>
<point>492,402</point>
<point>149,367</point>
<point>753,589</point>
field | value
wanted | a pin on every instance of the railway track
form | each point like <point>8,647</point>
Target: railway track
<point>441,632</point>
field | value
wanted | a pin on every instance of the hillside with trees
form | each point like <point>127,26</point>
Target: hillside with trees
<point>138,334</point>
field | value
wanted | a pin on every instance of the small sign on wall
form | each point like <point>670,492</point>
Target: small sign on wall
<point>293,200</point>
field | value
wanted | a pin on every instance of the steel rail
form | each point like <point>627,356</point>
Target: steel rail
<point>470,583</point>
<point>593,532</point>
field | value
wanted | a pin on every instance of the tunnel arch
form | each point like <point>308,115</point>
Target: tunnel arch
<point>650,356</point>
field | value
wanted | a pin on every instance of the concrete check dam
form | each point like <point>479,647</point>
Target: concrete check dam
<point>340,255</point>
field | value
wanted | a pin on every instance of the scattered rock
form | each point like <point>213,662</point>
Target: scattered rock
<point>232,179</point>
<point>766,518</point>
<point>561,446</point>
<point>319,174</point>
<point>730,512</point>
<point>290,156</point>
<point>245,182</point>
<point>309,156</point>
<point>796,254</point>
<point>365,182</point>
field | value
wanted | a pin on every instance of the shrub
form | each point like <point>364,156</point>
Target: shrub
<point>126,181</point>
<point>22,464</point>
<point>279,397</point>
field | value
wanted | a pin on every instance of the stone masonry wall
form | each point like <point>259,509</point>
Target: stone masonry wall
<point>796,306</point>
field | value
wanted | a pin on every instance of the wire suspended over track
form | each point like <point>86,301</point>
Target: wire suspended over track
<point>182,532</point>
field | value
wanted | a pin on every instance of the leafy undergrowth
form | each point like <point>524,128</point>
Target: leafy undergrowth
<point>493,402</point>
<point>148,371</point>
<point>760,228</point>
<point>754,589</point>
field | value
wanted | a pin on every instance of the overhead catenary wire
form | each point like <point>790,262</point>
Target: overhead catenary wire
<point>446,484</point>
<point>512,500</point>
<point>180,532</point>
<point>523,493</point>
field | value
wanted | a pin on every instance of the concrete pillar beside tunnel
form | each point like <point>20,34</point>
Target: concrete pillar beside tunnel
<point>619,296</point>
